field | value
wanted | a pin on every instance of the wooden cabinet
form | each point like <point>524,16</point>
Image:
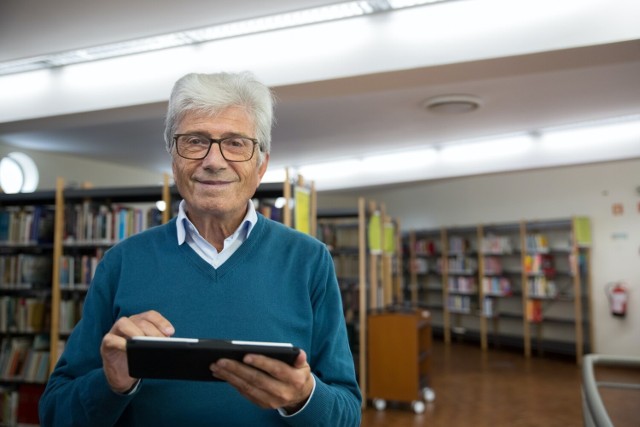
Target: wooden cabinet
<point>399,357</point>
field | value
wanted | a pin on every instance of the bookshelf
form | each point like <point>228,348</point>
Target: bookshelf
<point>50,244</point>
<point>88,222</point>
<point>556,278</point>
<point>93,219</point>
<point>500,280</point>
<point>302,213</point>
<point>339,230</point>
<point>462,295</point>
<point>425,272</point>
<point>523,284</point>
<point>343,231</point>
<point>365,244</point>
<point>26,257</point>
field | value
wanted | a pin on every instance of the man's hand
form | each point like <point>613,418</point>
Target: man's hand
<point>269,383</point>
<point>114,345</point>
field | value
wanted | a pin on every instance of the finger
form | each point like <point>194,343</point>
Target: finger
<point>226,369</point>
<point>125,327</point>
<point>294,383</point>
<point>114,342</point>
<point>255,385</point>
<point>156,320</point>
<point>301,360</point>
<point>277,368</point>
<point>147,328</point>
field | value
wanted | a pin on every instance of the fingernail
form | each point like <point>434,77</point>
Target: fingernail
<point>169,330</point>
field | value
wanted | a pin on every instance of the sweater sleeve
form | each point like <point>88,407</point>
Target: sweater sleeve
<point>77,393</point>
<point>336,400</point>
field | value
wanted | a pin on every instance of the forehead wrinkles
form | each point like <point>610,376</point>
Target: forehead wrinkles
<point>207,118</point>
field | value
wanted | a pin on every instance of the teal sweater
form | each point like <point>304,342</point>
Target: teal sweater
<point>280,285</point>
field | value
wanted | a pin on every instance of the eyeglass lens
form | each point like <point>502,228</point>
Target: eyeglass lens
<point>197,147</point>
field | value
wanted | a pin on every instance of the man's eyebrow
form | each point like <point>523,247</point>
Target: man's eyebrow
<point>228,134</point>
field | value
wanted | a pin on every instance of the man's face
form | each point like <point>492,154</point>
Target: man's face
<point>214,186</point>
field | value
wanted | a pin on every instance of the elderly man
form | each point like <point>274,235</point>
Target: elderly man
<point>217,270</point>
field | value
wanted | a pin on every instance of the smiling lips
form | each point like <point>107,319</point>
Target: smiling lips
<point>213,182</point>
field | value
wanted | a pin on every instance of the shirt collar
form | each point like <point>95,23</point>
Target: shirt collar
<point>183,222</point>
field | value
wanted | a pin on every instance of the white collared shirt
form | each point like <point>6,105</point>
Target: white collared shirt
<point>188,233</point>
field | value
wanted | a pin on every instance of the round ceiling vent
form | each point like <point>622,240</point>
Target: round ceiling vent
<point>452,104</point>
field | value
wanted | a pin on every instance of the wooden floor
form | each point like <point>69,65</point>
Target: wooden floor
<point>500,388</point>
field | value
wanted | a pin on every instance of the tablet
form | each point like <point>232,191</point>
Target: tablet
<point>190,358</point>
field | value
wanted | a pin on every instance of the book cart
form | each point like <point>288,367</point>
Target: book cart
<point>398,337</point>
<point>399,360</point>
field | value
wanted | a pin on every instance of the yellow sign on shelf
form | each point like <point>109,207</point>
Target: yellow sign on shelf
<point>302,197</point>
<point>582,230</point>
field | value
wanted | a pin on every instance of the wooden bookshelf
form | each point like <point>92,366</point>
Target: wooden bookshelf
<point>77,223</point>
<point>532,284</point>
<point>366,247</point>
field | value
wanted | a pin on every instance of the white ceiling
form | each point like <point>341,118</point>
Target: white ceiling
<point>555,75</point>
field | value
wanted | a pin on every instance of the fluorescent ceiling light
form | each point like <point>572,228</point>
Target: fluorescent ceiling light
<point>331,170</point>
<point>598,134</point>
<point>500,153</point>
<point>400,4</point>
<point>487,149</point>
<point>405,159</point>
<point>216,32</point>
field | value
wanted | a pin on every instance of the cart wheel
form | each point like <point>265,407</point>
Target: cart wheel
<point>417,406</point>
<point>428,394</point>
<point>379,404</point>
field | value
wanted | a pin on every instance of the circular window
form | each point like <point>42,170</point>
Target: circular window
<point>18,174</point>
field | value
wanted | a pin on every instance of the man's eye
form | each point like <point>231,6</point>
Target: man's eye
<point>195,140</point>
<point>235,142</point>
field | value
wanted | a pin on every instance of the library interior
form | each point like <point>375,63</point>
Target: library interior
<point>472,167</point>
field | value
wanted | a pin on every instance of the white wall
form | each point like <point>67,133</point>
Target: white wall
<point>77,170</point>
<point>541,194</point>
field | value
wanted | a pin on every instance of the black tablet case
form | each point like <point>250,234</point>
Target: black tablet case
<point>191,360</point>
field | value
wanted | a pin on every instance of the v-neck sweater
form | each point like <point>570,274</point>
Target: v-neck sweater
<point>279,286</point>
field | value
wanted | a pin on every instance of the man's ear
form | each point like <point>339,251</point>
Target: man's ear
<point>262,169</point>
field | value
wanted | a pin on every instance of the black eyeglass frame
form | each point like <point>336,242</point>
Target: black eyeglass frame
<point>214,141</point>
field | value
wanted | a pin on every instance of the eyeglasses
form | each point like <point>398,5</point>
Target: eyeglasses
<point>197,147</point>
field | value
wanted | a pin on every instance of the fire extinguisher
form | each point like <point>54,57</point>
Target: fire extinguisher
<point>618,297</point>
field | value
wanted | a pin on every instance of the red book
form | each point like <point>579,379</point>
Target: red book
<point>29,396</point>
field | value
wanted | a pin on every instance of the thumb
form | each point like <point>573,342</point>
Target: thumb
<point>301,360</point>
